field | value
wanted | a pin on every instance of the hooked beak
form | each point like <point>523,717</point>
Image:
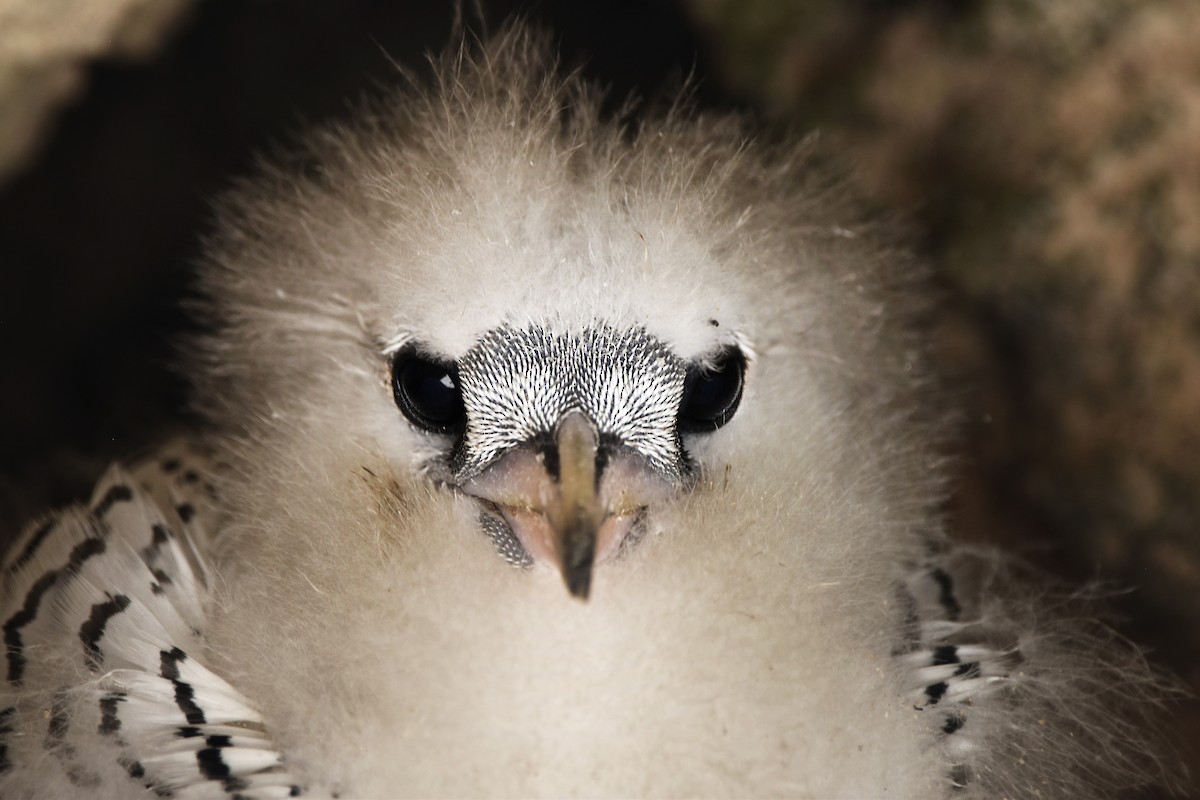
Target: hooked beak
<point>575,514</point>
<point>573,504</point>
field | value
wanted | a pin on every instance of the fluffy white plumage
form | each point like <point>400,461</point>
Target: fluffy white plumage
<point>783,616</point>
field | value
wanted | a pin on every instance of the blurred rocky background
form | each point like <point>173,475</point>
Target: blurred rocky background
<point>1045,154</point>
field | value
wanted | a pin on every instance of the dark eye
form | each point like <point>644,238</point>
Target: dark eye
<point>711,396</point>
<point>427,392</point>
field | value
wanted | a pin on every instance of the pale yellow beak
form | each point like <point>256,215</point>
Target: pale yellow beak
<point>574,514</point>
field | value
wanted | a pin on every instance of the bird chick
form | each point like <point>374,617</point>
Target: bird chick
<point>486,341</point>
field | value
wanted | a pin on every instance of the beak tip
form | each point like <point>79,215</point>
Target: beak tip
<point>579,581</point>
<point>578,556</point>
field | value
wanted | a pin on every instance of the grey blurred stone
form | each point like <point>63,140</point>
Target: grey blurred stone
<point>45,46</point>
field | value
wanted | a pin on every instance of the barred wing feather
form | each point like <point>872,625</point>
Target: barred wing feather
<point>103,678</point>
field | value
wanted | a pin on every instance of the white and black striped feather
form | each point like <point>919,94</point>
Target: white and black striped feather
<point>103,612</point>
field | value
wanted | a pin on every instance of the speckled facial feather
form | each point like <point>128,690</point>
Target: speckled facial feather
<point>517,384</point>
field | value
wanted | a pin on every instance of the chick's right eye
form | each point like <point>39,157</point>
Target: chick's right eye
<point>427,393</point>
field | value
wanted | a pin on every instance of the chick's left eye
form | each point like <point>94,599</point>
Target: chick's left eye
<point>711,396</point>
<point>427,392</point>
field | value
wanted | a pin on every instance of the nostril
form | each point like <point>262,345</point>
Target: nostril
<point>548,452</point>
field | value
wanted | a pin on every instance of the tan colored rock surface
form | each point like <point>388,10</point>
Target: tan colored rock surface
<point>45,46</point>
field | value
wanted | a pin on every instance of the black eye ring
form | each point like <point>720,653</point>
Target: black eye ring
<point>711,394</point>
<point>427,392</point>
